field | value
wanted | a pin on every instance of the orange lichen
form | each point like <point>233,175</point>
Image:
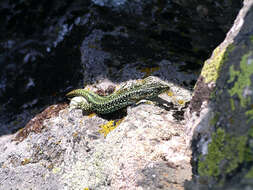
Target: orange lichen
<point>36,124</point>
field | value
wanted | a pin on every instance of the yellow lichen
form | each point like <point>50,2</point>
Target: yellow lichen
<point>91,115</point>
<point>58,142</point>
<point>56,170</point>
<point>149,71</point>
<point>170,93</point>
<point>148,102</point>
<point>26,161</point>
<point>181,102</point>
<point>212,66</point>
<point>50,166</point>
<point>242,79</point>
<point>75,135</point>
<point>109,126</point>
<point>225,153</point>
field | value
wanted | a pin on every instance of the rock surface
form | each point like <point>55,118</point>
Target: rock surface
<point>40,45</point>
<point>101,44</point>
<point>220,113</point>
<point>145,151</point>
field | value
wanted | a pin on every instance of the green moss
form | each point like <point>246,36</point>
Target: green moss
<point>214,120</point>
<point>251,132</point>
<point>214,94</point>
<point>212,66</point>
<point>210,166</point>
<point>225,153</point>
<point>251,38</point>
<point>249,175</point>
<point>235,152</point>
<point>249,114</point>
<point>232,104</point>
<point>241,78</point>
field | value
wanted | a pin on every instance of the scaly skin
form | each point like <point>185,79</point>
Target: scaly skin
<point>148,89</point>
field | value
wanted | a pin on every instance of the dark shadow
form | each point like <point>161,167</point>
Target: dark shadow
<point>119,114</point>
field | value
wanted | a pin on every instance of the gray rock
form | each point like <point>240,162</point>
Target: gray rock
<point>146,151</point>
<point>220,113</point>
<point>120,41</point>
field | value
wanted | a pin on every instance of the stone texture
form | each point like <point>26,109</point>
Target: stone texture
<point>40,46</point>
<point>101,45</point>
<point>146,151</point>
<point>220,113</point>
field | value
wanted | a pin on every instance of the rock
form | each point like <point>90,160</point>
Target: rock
<point>40,46</point>
<point>145,151</point>
<point>220,113</point>
<point>50,48</point>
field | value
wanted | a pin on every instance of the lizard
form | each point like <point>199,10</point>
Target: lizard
<point>148,89</point>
